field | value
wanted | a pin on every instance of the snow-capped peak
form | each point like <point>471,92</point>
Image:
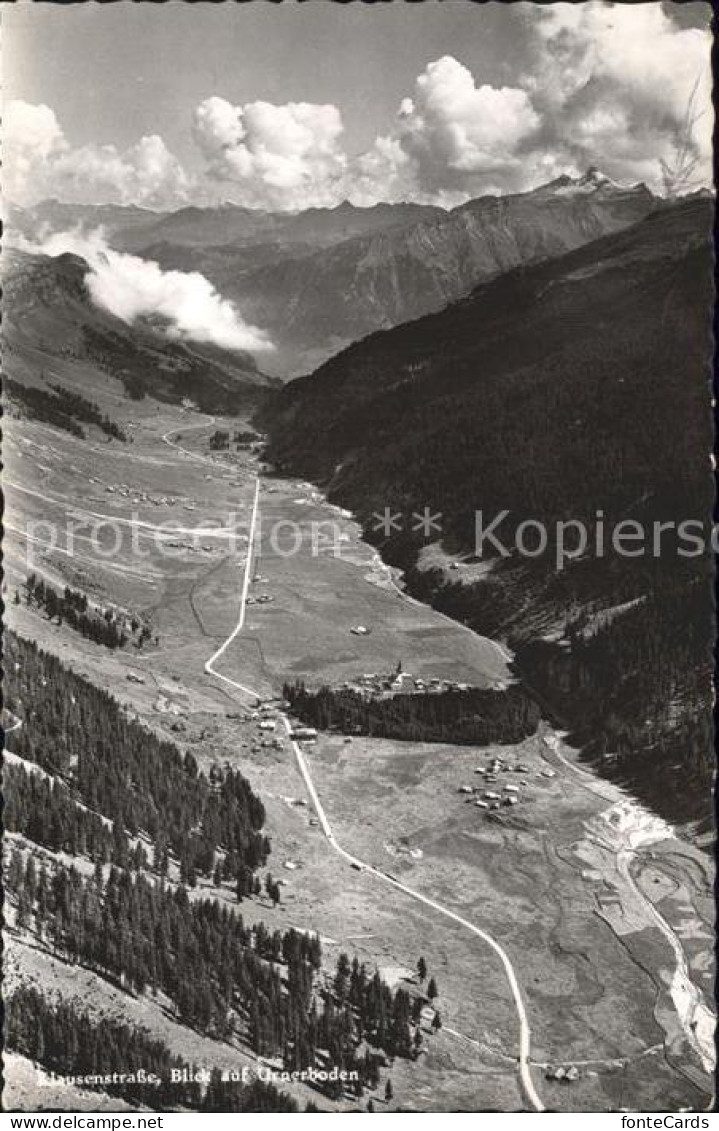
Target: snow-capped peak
<point>588,182</point>
<point>596,177</point>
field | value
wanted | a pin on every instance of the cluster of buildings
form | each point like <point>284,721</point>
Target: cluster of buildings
<point>564,1075</point>
<point>264,598</point>
<point>304,734</point>
<point>492,793</point>
<point>375,685</point>
<point>265,718</point>
<point>190,547</point>
<point>137,497</point>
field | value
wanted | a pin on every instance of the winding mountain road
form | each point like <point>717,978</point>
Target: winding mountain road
<point>523,1059</point>
<point>192,455</point>
<point>210,664</point>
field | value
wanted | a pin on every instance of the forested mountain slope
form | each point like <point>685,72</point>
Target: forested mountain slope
<point>125,859</point>
<point>574,386</point>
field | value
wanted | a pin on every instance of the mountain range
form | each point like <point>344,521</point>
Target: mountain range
<point>321,279</point>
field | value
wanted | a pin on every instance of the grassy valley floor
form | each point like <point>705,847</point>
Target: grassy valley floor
<point>574,881</point>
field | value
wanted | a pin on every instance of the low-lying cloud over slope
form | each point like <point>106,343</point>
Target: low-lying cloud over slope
<point>130,287</point>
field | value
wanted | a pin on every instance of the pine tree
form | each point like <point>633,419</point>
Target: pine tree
<point>341,983</point>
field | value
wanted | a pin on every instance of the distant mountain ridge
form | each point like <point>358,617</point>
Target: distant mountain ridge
<point>130,226</point>
<point>321,279</point>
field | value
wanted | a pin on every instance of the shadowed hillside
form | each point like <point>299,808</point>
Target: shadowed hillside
<point>576,385</point>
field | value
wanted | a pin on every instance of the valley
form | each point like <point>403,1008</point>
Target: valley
<point>568,397</point>
<point>358,665</point>
<point>541,884</point>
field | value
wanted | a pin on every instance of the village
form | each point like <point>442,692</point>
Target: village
<point>375,685</point>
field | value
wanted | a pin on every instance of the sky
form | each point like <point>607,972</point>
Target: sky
<point>297,105</point>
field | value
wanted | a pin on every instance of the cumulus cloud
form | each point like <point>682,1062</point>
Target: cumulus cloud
<point>620,86</point>
<point>130,288</point>
<point>39,163</point>
<point>624,87</point>
<point>449,137</point>
<point>450,140</point>
<point>32,137</point>
<point>285,157</point>
<point>455,129</point>
<point>31,129</point>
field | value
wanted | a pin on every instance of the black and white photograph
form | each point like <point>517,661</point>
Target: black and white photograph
<point>357,560</point>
